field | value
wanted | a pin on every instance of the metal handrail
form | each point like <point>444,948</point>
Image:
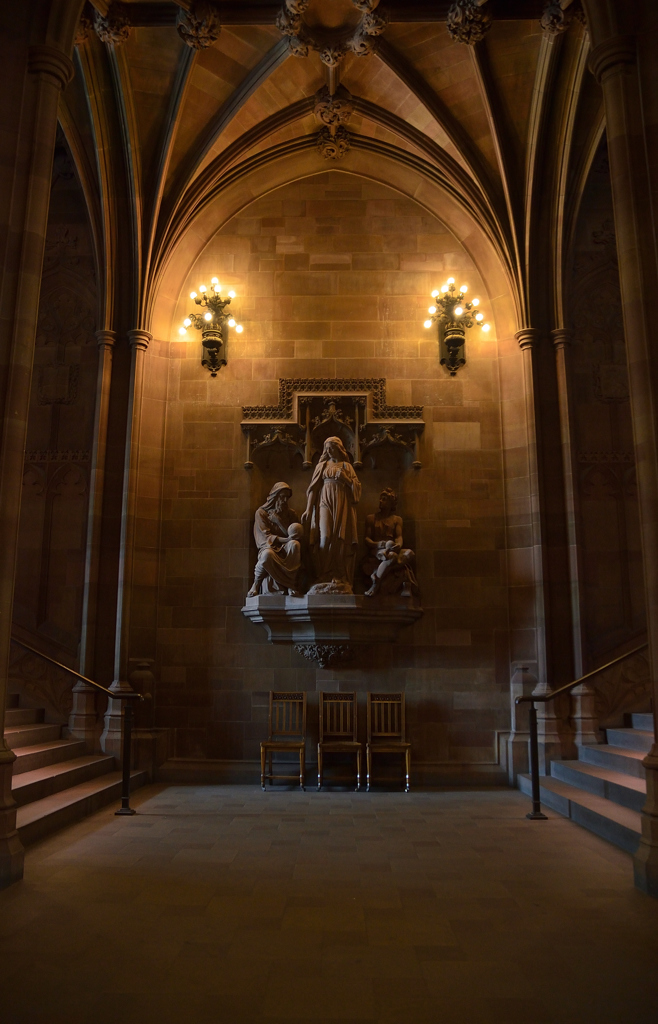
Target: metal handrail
<point>115,696</point>
<point>536,813</point>
<point>127,716</point>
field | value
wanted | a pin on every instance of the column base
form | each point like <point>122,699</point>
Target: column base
<point>645,861</point>
<point>111,735</point>
<point>11,848</point>
<point>518,756</point>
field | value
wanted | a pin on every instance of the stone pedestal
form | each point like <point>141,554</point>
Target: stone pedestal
<point>331,628</point>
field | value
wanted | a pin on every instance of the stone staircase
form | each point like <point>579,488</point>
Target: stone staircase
<point>55,781</point>
<point>605,789</point>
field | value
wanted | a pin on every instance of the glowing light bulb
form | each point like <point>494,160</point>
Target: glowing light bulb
<point>463,288</point>
<point>444,288</point>
<point>207,316</point>
<point>202,288</point>
<point>435,293</point>
<point>231,294</point>
<point>486,327</point>
<point>182,331</point>
<point>428,323</point>
<point>476,302</point>
<point>193,295</point>
<point>432,310</point>
<point>214,280</point>
<point>187,321</point>
<point>216,289</point>
<point>239,328</point>
<point>451,280</point>
<point>458,310</point>
<point>479,316</point>
<point>231,322</point>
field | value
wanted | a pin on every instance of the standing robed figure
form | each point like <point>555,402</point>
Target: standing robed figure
<point>330,518</point>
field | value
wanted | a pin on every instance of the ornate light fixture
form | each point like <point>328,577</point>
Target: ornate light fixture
<point>454,315</point>
<point>213,324</point>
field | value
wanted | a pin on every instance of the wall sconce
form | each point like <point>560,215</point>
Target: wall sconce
<point>454,315</point>
<point>213,324</point>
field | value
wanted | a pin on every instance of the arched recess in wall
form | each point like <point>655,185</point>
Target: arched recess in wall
<point>205,561</point>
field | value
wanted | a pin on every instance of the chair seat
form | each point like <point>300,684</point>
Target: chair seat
<point>347,746</point>
<point>282,744</point>
<point>388,746</point>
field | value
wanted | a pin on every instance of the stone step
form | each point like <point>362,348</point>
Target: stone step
<point>27,735</point>
<point>23,716</point>
<point>619,825</point>
<point>43,782</point>
<point>642,721</point>
<point>631,739</point>
<point>13,700</point>
<point>42,754</point>
<point>621,789</point>
<point>41,817</point>
<point>617,759</point>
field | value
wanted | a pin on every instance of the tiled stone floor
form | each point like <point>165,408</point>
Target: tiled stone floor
<point>224,905</point>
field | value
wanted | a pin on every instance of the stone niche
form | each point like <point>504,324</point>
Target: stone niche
<point>327,622</point>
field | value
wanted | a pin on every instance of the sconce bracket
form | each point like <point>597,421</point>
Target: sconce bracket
<point>215,345</point>
<point>451,346</point>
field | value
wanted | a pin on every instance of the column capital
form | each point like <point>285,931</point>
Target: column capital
<point>105,339</point>
<point>527,337</point>
<point>52,62</point>
<point>612,56</point>
<point>139,339</point>
<point>562,337</point>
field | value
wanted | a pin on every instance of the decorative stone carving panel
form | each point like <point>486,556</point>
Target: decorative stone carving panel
<point>312,409</point>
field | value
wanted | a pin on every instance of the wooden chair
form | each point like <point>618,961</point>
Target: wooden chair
<point>386,731</point>
<point>287,733</point>
<point>338,722</point>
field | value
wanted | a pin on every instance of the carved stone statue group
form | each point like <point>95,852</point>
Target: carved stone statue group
<point>325,541</point>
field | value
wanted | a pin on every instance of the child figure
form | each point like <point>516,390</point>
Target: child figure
<point>280,560</point>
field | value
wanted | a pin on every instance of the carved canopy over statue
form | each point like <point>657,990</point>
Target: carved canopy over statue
<point>330,518</point>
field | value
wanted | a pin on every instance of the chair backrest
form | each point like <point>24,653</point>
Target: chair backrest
<point>338,716</point>
<point>287,715</point>
<point>386,716</point>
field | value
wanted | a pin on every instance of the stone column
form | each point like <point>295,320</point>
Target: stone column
<point>584,722</point>
<point>111,737</point>
<point>83,717</point>
<point>625,66</point>
<point>562,338</point>
<point>31,81</point>
<point>549,740</point>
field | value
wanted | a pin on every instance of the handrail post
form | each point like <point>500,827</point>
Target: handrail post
<point>127,743</point>
<point>536,813</point>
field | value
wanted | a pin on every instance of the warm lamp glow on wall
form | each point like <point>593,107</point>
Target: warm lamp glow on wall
<point>454,316</point>
<point>213,324</point>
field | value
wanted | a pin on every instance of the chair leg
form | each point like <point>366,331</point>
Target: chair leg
<point>358,770</point>
<point>270,768</point>
<point>302,758</point>
<point>262,768</point>
<point>368,768</point>
<point>319,767</point>
<point>407,764</point>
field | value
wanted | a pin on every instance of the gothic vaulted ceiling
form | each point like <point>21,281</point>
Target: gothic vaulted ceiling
<point>172,103</point>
